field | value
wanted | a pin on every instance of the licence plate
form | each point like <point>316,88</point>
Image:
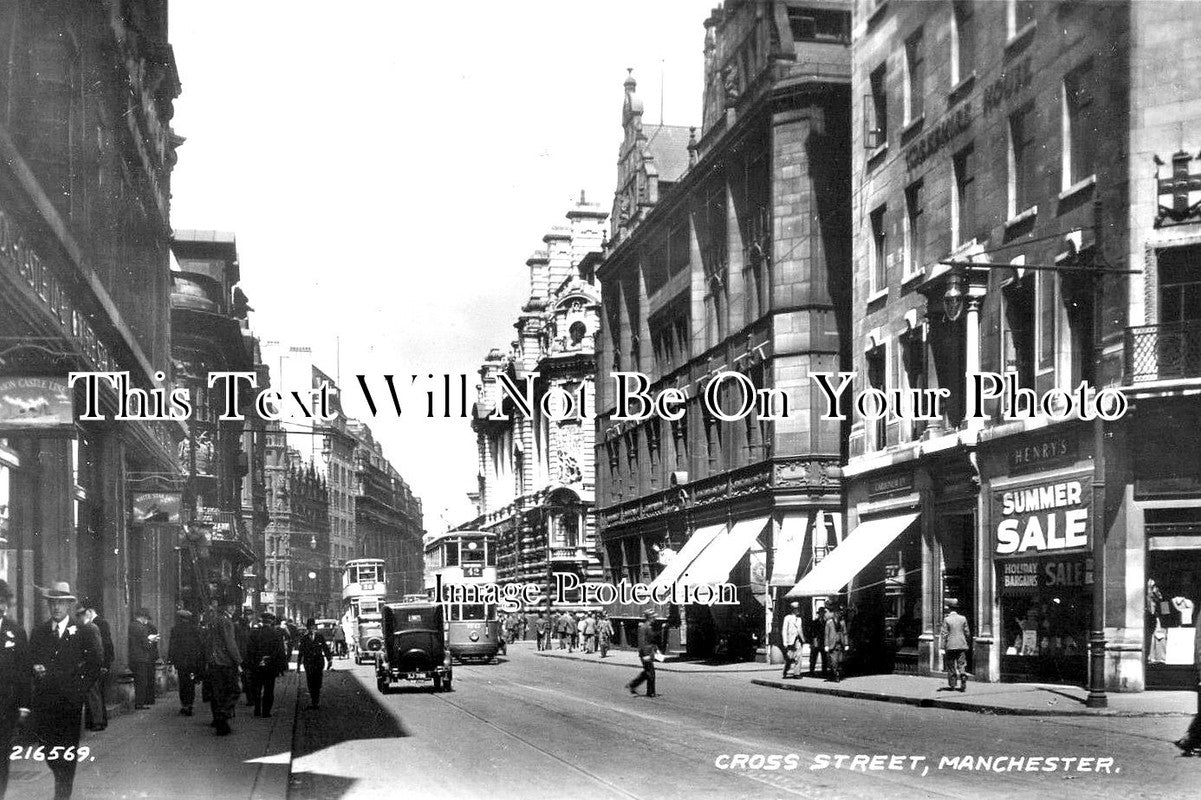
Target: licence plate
<point>416,676</point>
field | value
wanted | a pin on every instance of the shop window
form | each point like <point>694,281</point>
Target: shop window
<point>963,42</point>
<point>963,201</point>
<point>914,83</point>
<point>1046,613</point>
<point>1023,162</point>
<point>915,229</point>
<point>879,252</point>
<point>1079,128</point>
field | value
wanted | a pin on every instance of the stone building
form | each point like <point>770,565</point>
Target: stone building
<point>1022,143</point>
<point>730,251</point>
<point>388,516</point>
<point>86,155</point>
<point>536,478</point>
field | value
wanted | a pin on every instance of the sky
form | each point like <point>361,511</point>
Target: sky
<point>388,167</point>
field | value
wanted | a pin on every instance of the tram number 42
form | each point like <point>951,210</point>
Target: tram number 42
<point>473,572</point>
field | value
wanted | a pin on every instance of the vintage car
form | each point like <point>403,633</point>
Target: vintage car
<point>414,646</point>
<point>371,640</point>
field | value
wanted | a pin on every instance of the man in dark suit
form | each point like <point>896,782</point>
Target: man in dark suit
<point>315,657</point>
<point>186,653</point>
<point>66,662</point>
<point>266,660</point>
<point>648,646</point>
<point>142,654</point>
<point>95,713</point>
<point>16,675</point>
<point>224,661</point>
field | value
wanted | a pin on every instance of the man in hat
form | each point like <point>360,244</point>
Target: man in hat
<point>15,678</point>
<point>817,643</point>
<point>186,652</point>
<point>143,652</point>
<point>66,662</point>
<point>95,715</point>
<point>955,636</point>
<point>792,638</point>
<point>266,660</point>
<point>224,660</point>
<point>835,643</point>
<point>315,656</point>
<point>648,646</point>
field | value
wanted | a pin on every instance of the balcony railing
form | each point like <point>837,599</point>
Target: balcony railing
<point>568,554</point>
<point>1163,352</point>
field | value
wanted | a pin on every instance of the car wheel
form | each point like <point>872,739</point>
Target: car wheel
<point>437,683</point>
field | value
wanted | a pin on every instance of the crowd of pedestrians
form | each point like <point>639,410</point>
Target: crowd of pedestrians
<point>586,631</point>
<point>54,682</point>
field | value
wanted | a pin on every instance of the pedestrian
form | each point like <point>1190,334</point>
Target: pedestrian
<point>242,638</point>
<point>340,641</point>
<point>16,674</point>
<point>648,646</point>
<point>563,627</point>
<point>142,655</point>
<point>224,661</point>
<point>66,661</point>
<point>792,638</point>
<point>314,655</point>
<point>267,657</point>
<point>817,643</point>
<point>835,643</point>
<point>95,712</point>
<point>577,632</point>
<point>604,633</point>
<point>540,632</point>
<point>955,637</point>
<point>186,652</point>
<point>523,626</point>
<point>588,631</point>
<point>1191,741</point>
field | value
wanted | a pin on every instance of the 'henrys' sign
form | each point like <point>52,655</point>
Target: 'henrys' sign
<point>1048,517</point>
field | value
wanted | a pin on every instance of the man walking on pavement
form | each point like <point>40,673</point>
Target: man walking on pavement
<point>95,712</point>
<point>563,627</point>
<point>185,651</point>
<point>588,626</point>
<point>955,636</point>
<point>142,652</point>
<point>314,656</point>
<point>835,643</point>
<point>648,645</point>
<point>792,639</point>
<point>604,633</point>
<point>817,643</point>
<point>66,661</point>
<point>16,675</point>
<point>224,661</point>
<point>540,630</point>
<point>266,659</point>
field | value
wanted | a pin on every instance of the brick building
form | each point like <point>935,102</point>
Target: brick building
<point>1020,141</point>
<point>730,250</point>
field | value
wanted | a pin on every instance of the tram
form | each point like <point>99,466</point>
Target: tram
<point>465,558</point>
<point>363,590</point>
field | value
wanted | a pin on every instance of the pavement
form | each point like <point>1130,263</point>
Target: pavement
<point>1015,699</point>
<point>157,753</point>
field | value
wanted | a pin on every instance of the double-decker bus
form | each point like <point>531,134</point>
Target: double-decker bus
<point>363,589</point>
<point>463,558</point>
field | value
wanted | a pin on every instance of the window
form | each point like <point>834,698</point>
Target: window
<point>1019,14</point>
<point>1022,161</point>
<point>913,370</point>
<point>963,202</point>
<point>914,85</point>
<point>1045,333</point>
<point>879,252</point>
<point>915,230</point>
<point>679,434</point>
<point>1017,331</point>
<point>875,112</point>
<point>963,42</point>
<point>876,378</point>
<point>1079,133</point>
<point>815,25</point>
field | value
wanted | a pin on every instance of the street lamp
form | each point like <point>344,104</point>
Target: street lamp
<point>954,297</point>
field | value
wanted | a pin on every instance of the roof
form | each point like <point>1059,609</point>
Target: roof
<point>669,146</point>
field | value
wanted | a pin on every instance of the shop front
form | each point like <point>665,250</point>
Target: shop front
<point>1041,528</point>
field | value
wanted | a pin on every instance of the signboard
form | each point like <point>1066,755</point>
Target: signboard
<point>898,483</point>
<point>156,507</point>
<point>1035,575</point>
<point>35,404</point>
<point>1042,518</point>
<point>473,571</point>
<point>267,598</point>
<point>1043,453</point>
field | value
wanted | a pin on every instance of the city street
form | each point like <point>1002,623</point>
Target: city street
<point>532,726</point>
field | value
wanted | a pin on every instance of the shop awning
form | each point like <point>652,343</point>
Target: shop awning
<point>790,541</point>
<point>847,560</point>
<point>695,545</point>
<point>714,563</point>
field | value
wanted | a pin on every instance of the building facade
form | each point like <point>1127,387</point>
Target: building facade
<point>388,516</point>
<point>1008,219</point>
<point>536,478</point>
<point>730,252</point>
<point>86,100</point>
